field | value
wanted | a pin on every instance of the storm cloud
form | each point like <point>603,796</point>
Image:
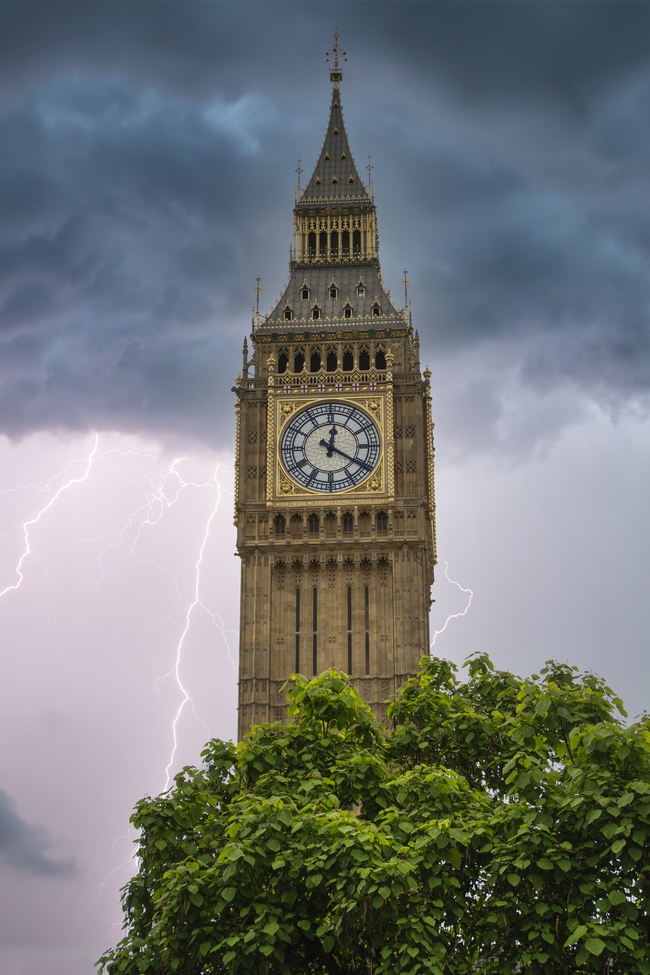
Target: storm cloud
<point>147,170</point>
<point>28,848</point>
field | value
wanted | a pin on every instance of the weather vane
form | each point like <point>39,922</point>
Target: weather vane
<point>406,281</point>
<point>299,171</point>
<point>257,289</point>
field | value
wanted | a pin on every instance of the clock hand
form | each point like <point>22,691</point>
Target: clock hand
<point>330,445</point>
<point>355,460</point>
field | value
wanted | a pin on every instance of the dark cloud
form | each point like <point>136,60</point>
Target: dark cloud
<point>28,848</point>
<point>145,178</point>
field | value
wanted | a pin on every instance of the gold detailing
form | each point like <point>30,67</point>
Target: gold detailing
<point>236,464</point>
<point>271,363</point>
<point>374,405</point>
<point>431,493</point>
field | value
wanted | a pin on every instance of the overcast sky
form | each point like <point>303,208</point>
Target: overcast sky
<point>147,169</point>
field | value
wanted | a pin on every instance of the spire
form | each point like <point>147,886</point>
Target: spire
<point>335,176</point>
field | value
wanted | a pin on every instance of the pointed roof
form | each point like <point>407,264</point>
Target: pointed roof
<point>335,176</point>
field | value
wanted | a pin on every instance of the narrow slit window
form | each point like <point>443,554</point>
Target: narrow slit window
<point>298,362</point>
<point>347,312</point>
<point>311,244</point>
<point>298,630</point>
<point>287,315</point>
<point>348,361</point>
<point>349,629</point>
<point>366,602</point>
<point>314,662</point>
<point>315,314</point>
<point>348,524</point>
<point>380,359</point>
<point>382,522</point>
<point>356,242</point>
<point>364,360</point>
<point>304,294</point>
<point>314,362</point>
<point>314,525</point>
<point>280,525</point>
<point>283,362</point>
<point>332,361</point>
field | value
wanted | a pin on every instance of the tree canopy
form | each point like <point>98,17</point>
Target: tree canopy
<point>499,825</point>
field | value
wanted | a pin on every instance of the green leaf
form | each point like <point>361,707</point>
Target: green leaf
<point>228,893</point>
<point>545,864</point>
<point>594,946</point>
<point>514,879</point>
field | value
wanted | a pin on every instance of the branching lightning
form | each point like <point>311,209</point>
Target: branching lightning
<point>160,491</point>
<point>453,616</point>
<point>30,523</point>
<point>188,618</point>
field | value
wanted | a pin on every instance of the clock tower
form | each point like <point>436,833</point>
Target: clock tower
<point>334,490</point>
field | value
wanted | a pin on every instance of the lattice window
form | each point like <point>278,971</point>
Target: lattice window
<point>411,467</point>
<point>251,472</point>
<point>399,467</point>
<point>397,433</point>
<point>409,431</point>
<point>263,470</point>
<point>251,436</point>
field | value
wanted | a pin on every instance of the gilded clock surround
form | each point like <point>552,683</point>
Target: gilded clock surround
<point>333,579</point>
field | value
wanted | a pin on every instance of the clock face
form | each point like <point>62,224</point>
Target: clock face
<point>330,447</point>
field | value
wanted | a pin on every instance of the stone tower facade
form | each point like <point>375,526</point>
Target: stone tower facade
<point>334,502</point>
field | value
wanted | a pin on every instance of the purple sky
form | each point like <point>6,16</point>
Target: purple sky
<point>146,176</point>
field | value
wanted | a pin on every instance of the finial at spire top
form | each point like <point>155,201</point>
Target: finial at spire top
<point>335,74</point>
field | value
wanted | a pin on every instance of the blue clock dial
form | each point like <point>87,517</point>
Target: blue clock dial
<point>330,447</point>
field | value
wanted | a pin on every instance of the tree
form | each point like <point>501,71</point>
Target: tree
<point>500,825</point>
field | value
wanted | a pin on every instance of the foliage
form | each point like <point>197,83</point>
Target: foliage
<point>501,825</point>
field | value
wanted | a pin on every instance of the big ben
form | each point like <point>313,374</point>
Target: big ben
<point>334,491</point>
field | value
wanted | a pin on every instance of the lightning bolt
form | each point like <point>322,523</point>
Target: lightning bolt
<point>179,649</point>
<point>27,525</point>
<point>161,491</point>
<point>453,616</point>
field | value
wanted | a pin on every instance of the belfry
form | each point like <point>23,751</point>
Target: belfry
<point>334,489</point>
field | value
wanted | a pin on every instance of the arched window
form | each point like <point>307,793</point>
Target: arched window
<point>304,294</point>
<point>334,241</point>
<point>347,311</point>
<point>364,359</point>
<point>332,360</point>
<point>333,291</point>
<point>283,362</point>
<point>315,313</point>
<point>382,522</point>
<point>287,315</point>
<point>314,361</point>
<point>356,242</point>
<point>280,525</point>
<point>376,310</point>
<point>380,359</point>
<point>348,360</point>
<point>312,246</point>
<point>348,523</point>
<point>345,243</point>
<point>323,243</point>
<point>298,361</point>
<point>361,291</point>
